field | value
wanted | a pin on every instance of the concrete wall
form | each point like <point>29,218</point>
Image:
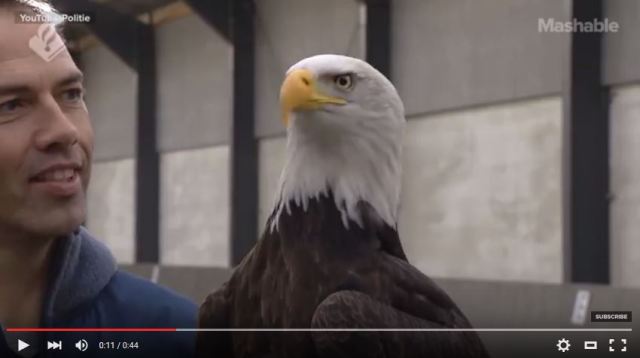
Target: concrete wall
<point>481,192</point>
<point>625,186</point>
<point>195,84</point>
<point>290,30</point>
<point>112,208</point>
<point>194,219</point>
<point>452,54</point>
<point>111,99</point>
<point>622,49</point>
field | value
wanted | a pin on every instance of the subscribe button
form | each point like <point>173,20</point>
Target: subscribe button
<point>611,316</point>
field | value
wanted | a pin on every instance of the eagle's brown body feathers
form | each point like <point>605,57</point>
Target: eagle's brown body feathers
<point>312,272</point>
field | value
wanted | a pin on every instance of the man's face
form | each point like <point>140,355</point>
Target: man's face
<point>46,139</point>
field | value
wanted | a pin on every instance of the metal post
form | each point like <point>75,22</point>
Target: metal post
<point>586,155</point>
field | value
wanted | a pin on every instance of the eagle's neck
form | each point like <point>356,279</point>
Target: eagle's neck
<point>354,167</point>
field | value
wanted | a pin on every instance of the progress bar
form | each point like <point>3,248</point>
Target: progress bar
<point>33,329</point>
<point>319,330</point>
<point>404,330</point>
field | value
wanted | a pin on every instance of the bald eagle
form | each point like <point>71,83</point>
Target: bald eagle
<point>330,255</point>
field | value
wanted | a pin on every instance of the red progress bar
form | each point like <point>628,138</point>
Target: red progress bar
<point>91,329</point>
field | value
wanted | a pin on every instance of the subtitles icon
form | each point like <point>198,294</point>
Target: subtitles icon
<point>46,43</point>
<point>82,345</point>
<point>590,345</point>
<point>54,345</point>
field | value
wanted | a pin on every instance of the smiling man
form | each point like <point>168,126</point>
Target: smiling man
<point>52,272</point>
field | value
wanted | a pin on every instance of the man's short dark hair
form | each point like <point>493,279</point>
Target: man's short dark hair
<point>33,4</point>
<point>37,6</point>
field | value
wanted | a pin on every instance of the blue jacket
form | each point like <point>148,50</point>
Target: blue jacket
<point>86,289</point>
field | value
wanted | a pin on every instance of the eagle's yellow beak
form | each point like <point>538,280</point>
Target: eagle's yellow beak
<point>299,92</point>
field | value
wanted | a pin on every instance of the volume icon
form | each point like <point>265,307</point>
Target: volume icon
<point>82,345</point>
<point>54,345</point>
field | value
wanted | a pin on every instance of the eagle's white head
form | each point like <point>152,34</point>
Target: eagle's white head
<point>345,125</point>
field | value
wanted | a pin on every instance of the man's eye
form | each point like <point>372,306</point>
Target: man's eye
<point>72,95</point>
<point>10,106</point>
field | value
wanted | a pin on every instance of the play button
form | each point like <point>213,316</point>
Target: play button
<point>22,345</point>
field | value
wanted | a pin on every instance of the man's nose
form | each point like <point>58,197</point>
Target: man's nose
<point>57,130</point>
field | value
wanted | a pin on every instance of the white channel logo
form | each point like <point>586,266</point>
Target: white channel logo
<point>47,43</point>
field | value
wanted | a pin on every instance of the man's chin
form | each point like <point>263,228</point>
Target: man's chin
<point>57,223</point>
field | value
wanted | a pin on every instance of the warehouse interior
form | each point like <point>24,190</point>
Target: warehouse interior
<point>521,183</point>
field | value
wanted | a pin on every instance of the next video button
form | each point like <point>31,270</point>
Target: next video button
<point>610,316</point>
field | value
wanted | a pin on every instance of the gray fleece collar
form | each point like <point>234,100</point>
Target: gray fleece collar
<point>81,267</point>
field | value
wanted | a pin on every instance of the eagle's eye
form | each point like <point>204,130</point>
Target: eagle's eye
<point>344,82</point>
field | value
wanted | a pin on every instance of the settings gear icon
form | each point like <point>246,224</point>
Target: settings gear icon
<point>563,345</point>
